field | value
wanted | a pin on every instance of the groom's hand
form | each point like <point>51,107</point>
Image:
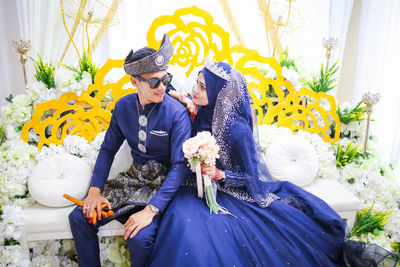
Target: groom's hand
<point>94,200</point>
<point>138,221</point>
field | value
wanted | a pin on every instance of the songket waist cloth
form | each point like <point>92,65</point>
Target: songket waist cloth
<point>135,186</point>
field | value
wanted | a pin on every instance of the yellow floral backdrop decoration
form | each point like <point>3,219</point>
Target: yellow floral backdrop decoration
<point>194,35</point>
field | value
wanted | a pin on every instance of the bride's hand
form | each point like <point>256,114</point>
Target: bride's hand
<point>190,107</point>
<point>211,171</point>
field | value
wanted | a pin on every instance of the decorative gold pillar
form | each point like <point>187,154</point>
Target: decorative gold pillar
<point>370,100</point>
<point>22,47</point>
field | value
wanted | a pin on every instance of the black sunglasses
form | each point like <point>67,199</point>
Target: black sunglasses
<point>155,83</point>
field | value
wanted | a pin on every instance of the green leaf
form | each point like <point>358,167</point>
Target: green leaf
<point>11,242</point>
<point>391,166</point>
<point>44,72</point>
<point>19,128</point>
<point>21,196</point>
<point>3,136</point>
<point>351,181</point>
<point>396,246</point>
<point>325,80</point>
<point>368,221</point>
<point>349,115</point>
<point>85,64</point>
<point>347,155</point>
<point>285,61</point>
<point>10,98</point>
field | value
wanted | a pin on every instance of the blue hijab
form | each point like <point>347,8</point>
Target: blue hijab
<point>204,117</point>
<point>229,117</point>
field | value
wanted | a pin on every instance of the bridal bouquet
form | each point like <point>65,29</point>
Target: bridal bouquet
<point>200,149</point>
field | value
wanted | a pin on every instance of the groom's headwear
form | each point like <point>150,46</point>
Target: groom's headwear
<point>152,63</point>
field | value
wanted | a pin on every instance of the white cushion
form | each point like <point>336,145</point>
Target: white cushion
<point>44,223</point>
<point>122,160</point>
<point>58,175</point>
<point>292,159</point>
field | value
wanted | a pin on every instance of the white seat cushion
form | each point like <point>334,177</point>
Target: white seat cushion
<point>292,159</point>
<point>45,223</point>
<point>58,175</point>
<point>336,195</point>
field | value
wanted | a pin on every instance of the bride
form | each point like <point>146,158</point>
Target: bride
<point>273,223</point>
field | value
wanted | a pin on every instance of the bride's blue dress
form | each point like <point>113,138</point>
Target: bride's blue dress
<point>274,223</point>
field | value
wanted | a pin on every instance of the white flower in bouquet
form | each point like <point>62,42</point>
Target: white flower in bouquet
<point>6,112</point>
<point>33,136</point>
<point>15,115</point>
<point>12,223</point>
<point>19,152</point>
<point>355,130</point>
<point>381,239</point>
<point>292,76</point>
<point>370,164</point>
<point>24,202</point>
<point>40,93</point>
<point>86,81</point>
<point>10,231</point>
<point>35,89</point>
<point>18,156</point>
<point>67,245</point>
<point>393,226</point>
<point>50,253</point>
<point>45,261</point>
<point>67,81</point>
<point>115,254</point>
<point>266,70</point>
<point>13,256</point>
<point>98,140</point>
<point>201,148</point>
<point>268,133</point>
<point>76,145</point>
<point>9,187</point>
<point>23,100</point>
<point>22,114</point>
<point>4,151</point>
<point>103,244</point>
<point>51,150</point>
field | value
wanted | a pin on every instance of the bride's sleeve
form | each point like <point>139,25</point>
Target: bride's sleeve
<point>234,179</point>
<point>244,164</point>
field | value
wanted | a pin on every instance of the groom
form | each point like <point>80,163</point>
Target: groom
<point>155,127</point>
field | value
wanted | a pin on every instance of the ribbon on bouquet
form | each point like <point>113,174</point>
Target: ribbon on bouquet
<point>210,190</point>
<point>199,180</point>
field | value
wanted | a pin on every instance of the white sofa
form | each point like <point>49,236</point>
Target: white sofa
<point>46,223</point>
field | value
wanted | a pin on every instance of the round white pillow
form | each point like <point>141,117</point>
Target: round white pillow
<point>59,175</point>
<point>292,159</point>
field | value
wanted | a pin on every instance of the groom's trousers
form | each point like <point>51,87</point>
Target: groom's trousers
<point>87,243</point>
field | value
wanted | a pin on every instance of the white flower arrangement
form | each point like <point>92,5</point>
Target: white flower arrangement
<point>13,256</point>
<point>67,81</point>
<point>292,76</point>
